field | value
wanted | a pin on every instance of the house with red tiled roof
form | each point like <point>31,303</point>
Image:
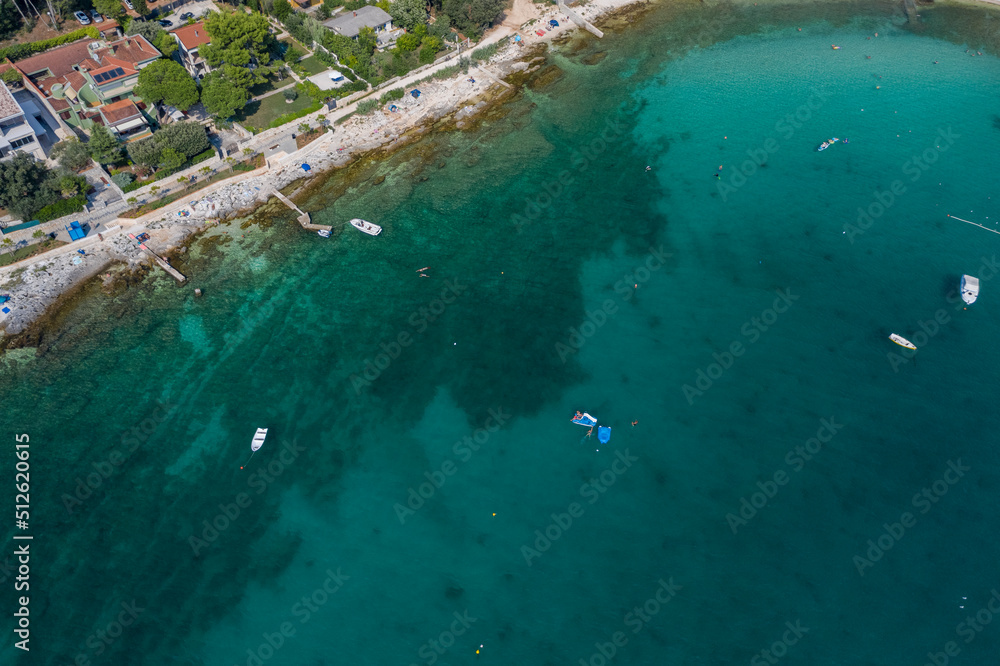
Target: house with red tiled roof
<point>80,78</point>
<point>189,38</point>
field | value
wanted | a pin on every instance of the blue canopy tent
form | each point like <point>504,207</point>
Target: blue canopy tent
<point>554,23</point>
<point>415,93</point>
<point>76,232</point>
<point>306,167</point>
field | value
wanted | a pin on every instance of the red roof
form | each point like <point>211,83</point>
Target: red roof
<point>119,111</point>
<point>59,60</point>
<point>192,36</point>
<point>128,52</point>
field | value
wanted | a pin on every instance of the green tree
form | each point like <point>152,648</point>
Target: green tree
<point>103,145</point>
<point>71,153</point>
<point>168,82</point>
<point>171,160</point>
<point>441,27</point>
<point>145,151</point>
<point>24,186</point>
<point>70,184</point>
<point>429,48</point>
<point>367,41</point>
<point>113,9</point>
<point>39,234</point>
<point>408,42</point>
<point>10,19</point>
<point>408,14</point>
<point>187,138</point>
<point>7,244</point>
<point>281,10</point>
<point>221,97</point>
<point>140,7</point>
<point>238,39</point>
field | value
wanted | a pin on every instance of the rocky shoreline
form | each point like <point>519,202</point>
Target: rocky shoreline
<point>41,287</point>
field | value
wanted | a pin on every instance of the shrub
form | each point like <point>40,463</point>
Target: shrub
<point>60,208</point>
<point>367,106</point>
<point>290,94</point>
<point>392,95</point>
<point>22,51</point>
<point>122,179</point>
<point>201,157</point>
<point>486,52</point>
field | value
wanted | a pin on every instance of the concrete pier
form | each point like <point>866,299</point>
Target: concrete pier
<point>303,218</point>
<point>579,20</point>
<point>173,272</point>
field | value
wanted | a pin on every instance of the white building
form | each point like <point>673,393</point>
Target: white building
<point>349,24</point>
<point>20,129</point>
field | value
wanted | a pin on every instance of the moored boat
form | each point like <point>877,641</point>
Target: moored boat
<point>255,444</point>
<point>324,233</point>
<point>970,289</point>
<point>367,227</point>
<point>584,419</point>
<point>826,144</point>
<point>902,342</point>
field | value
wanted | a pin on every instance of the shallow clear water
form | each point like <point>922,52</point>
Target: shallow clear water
<point>421,458</point>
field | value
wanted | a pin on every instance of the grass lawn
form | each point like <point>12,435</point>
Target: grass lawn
<point>29,251</point>
<point>259,115</point>
<point>312,65</point>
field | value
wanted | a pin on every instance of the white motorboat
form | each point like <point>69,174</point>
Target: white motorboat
<point>255,444</point>
<point>366,226</point>
<point>324,233</point>
<point>902,342</point>
<point>970,289</point>
<point>826,144</point>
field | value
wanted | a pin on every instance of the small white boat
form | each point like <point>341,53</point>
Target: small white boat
<point>970,289</point>
<point>255,444</point>
<point>826,144</point>
<point>324,233</point>
<point>902,342</point>
<point>258,439</point>
<point>367,227</point>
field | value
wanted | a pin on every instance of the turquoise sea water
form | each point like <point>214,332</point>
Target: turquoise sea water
<point>422,493</point>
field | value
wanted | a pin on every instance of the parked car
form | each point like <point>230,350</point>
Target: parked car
<point>187,15</point>
<point>96,15</point>
<point>128,3</point>
<point>165,23</point>
<point>82,18</point>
